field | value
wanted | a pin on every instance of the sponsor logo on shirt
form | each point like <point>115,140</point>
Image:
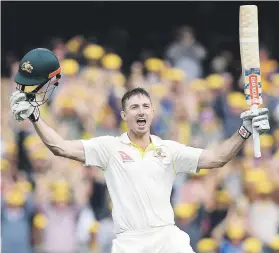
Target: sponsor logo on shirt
<point>125,157</point>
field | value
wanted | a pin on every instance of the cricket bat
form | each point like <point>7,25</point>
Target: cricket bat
<point>250,61</point>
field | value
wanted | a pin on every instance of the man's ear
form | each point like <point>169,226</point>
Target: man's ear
<point>123,115</point>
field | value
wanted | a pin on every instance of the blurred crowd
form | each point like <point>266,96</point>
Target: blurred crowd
<point>54,205</point>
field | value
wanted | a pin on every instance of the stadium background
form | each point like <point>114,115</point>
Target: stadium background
<point>52,205</point>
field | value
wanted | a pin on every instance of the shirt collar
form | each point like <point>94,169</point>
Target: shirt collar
<point>124,138</point>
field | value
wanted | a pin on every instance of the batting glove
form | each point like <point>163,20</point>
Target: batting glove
<point>23,109</point>
<point>257,119</point>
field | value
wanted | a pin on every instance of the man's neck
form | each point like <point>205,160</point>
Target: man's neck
<point>140,140</point>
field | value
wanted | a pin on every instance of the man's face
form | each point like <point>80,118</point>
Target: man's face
<point>138,114</point>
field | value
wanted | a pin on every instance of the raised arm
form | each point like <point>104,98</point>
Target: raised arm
<point>72,149</point>
<point>93,152</point>
<point>22,110</point>
<point>224,152</point>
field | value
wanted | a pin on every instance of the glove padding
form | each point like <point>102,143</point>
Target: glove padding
<point>257,119</point>
<point>23,109</point>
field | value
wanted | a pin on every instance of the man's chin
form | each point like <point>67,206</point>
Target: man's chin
<point>141,130</point>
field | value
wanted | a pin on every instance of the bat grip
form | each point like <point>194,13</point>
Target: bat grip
<point>256,141</point>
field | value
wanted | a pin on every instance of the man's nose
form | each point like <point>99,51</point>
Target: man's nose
<point>141,111</point>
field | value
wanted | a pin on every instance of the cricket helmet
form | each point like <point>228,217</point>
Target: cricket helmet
<point>38,68</point>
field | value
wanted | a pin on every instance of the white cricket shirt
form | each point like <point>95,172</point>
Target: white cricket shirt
<point>140,183</point>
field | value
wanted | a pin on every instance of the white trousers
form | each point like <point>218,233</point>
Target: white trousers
<point>166,239</point>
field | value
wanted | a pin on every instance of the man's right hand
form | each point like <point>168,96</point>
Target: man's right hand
<point>23,109</point>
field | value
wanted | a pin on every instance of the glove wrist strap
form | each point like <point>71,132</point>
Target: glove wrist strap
<point>243,132</point>
<point>34,117</point>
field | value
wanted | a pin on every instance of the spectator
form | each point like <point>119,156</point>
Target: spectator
<point>233,241</point>
<point>263,206</point>
<point>59,235</point>
<point>189,219</point>
<point>252,245</point>
<point>16,215</point>
<point>207,245</point>
<point>186,53</point>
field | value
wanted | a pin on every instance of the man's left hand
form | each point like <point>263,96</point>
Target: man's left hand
<point>257,119</point>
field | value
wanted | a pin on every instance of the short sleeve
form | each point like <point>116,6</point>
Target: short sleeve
<point>97,151</point>
<point>185,158</point>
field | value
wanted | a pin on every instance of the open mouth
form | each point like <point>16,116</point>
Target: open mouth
<point>141,122</point>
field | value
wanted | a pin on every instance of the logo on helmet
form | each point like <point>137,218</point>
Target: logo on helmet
<point>26,66</point>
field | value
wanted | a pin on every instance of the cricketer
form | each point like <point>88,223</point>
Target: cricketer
<point>139,168</point>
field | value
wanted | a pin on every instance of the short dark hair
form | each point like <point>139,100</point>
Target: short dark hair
<point>131,93</point>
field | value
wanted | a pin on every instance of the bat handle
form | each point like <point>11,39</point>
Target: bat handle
<point>256,141</point>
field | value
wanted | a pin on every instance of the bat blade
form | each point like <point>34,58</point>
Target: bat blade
<point>250,61</point>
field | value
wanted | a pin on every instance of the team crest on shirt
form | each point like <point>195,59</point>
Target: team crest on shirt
<point>125,157</point>
<point>159,153</point>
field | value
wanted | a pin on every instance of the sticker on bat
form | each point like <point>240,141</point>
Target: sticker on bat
<point>252,87</point>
